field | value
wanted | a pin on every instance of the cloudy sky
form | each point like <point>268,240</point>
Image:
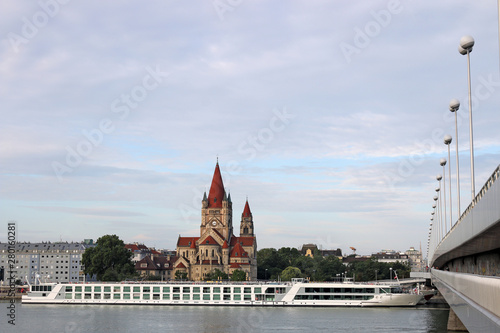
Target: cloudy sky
<point>328,115</point>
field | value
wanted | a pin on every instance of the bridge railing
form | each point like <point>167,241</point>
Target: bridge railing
<point>435,242</point>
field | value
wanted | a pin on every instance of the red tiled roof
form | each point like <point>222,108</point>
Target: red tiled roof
<point>209,241</point>
<point>147,260</point>
<point>225,246</point>
<point>136,247</point>
<point>181,265</point>
<point>216,193</point>
<point>247,241</point>
<point>246,211</point>
<point>235,265</point>
<point>238,251</point>
<point>185,241</point>
<point>207,262</point>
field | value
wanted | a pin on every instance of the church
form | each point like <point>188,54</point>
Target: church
<point>217,247</point>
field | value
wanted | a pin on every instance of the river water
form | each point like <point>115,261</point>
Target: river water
<point>137,318</point>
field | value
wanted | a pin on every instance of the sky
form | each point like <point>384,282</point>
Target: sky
<point>329,116</point>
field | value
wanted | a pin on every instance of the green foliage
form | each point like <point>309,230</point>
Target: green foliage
<point>181,275</point>
<point>239,275</point>
<point>272,263</point>
<point>216,274</point>
<point>290,273</point>
<point>109,260</point>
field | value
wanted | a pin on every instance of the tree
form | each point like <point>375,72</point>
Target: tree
<point>179,275</point>
<point>239,275</point>
<point>290,273</point>
<point>216,274</point>
<point>109,260</point>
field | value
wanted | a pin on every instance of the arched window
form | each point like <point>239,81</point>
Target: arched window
<point>213,253</point>
<point>245,230</point>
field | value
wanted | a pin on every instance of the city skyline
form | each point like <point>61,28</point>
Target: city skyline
<point>328,117</point>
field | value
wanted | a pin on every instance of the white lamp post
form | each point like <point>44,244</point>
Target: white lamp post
<point>442,162</point>
<point>447,142</point>
<point>454,106</point>
<point>465,48</point>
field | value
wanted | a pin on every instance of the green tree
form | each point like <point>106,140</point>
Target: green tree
<point>216,274</point>
<point>239,275</point>
<point>290,272</point>
<point>109,260</point>
<point>179,275</point>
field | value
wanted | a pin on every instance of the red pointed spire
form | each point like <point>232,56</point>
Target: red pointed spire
<point>225,246</point>
<point>216,193</point>
<point>246,211</point>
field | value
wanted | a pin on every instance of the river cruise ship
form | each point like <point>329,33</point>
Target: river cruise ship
<point>295,293</point>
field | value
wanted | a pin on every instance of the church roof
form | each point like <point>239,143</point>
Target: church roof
<point>225,246</point>
<point>217,192</point>
<point>209,241</point>
<point>245,241</point>
<point>238,251</point>
<point>186,241</point>
<point>246,211</point>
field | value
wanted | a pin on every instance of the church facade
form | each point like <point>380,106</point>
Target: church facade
<point>217,247</point>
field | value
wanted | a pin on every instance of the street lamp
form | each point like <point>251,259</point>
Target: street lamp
<point>266,275</point>
<point>454,106</point>
<point>447,142</point>
<point>442,162</point>
<point>440,207</point>
<point>390,273</point>
<point>465,48</point>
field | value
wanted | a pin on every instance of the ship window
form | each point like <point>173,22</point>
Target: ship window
<point>88,288</point>
<point>196,289</point>
<point>145,296</point>
<point>116,289</point>
<point>68,296</point>
<point>206,297</point>
<point>196,297</point>
<point>166,296</point>
<point>137,289</point>
<point>107,289</point>
<point>78,296</point>
<point>237,297</point>
<point>227,290</point>
<point>107,296</point>
<point>216,290</point>
<point>237,290</point>
<point>185,289</point>
<point>176,297</point>
<point>348,290</point>
<point>166,289</point>
<point>126,296</point>
<point>146,289</point>
<point>247,290</point>
<point>69,288</point>
<point>156,296</point>
<point>87,295</point>
<point>227,297</point>
<point>136,295</point>
<point>258,290</point>
<point>97,296</point>
<point>247,297</point>
<point>116,296</point>
<point>126,289</point>
<point>216,297</point>
<point>78,288</point>
<point>156,289</point>
<point>176,289</point>
<point>185,297</point>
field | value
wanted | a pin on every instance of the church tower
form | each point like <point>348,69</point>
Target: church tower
<point>217,208</point>
<point>246,225</point>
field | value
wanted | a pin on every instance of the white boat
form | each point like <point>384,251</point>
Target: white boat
<point>296,293</point>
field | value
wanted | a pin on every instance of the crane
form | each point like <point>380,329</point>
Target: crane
<point>353,250</point>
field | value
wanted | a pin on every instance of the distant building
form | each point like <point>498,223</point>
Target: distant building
<point>140,251</point>
<point>415,259</point>
<point>157,266</point>
<point>45,262</point>
<point>389,256</point>
<point>308,250</point>
<point>217,247</point>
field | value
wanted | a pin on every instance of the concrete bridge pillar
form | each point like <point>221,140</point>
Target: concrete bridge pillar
<point>454,323</point>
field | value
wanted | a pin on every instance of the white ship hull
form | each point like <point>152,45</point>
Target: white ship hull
<point>229,294</point>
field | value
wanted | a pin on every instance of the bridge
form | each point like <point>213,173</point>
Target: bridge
<point>465,262</point>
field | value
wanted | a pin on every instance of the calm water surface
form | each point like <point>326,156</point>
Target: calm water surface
<point>106,318</point>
